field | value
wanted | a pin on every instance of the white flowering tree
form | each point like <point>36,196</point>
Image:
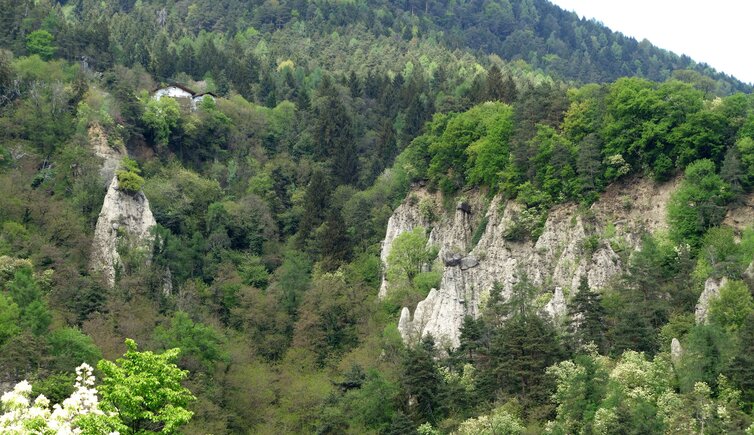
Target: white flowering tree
<point>78,414</point>
<point>141,393</point>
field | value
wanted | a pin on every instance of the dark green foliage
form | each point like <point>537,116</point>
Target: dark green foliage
<point>519,353</point>
<point>71,347</point>
<point>587,316</point>
<point>272,200</point>
<point>25,292</point>
<point>707,350</point>
<point>741,369</point>
<point>201,345</point>
<point>56,387</point>
<point>333,129</point>
<point>422,381</point>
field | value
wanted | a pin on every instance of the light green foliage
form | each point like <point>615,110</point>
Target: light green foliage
<point>161,116</point>
<point>553,159</point>
<point>641,122</point>
<point>25,292</point>
<point>40,42</point>
<point>488,155</point>
<point>145,390</point>
<point>633,394</point>
<point>179,199</point>
<point>129,179</point>
<point>499,422</point>
<point>408,255</point>
<point>720,255</point>
<point>698,204</point>
<point>734,305</point>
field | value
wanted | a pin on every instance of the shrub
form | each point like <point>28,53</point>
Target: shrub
<point>129,179</point>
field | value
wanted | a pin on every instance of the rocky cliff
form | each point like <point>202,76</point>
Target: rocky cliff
<point>594,243</point>
<point>111,157</point>
<point>125,217</point>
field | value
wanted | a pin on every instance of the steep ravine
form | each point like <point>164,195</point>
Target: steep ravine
<point>594,243</point>
<point>125,217</point>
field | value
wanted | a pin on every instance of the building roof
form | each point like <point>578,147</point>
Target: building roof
<point>176,85</point>
<point>205,93</point>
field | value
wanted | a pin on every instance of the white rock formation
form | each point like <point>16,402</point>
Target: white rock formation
<point>557,259</point>
<point>123,215</point>
<point>556,308</point>
<point>404,219</point>
<point>676,351</point>
<point>111,156</point>
<point>711,291</point>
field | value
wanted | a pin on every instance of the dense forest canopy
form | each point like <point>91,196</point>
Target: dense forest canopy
<point>271,197</point>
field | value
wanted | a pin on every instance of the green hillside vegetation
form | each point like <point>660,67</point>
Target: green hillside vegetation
<point>271,202</point>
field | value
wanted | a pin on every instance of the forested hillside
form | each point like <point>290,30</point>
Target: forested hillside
<point>244,226</point>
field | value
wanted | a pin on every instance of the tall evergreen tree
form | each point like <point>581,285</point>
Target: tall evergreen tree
<point>316,202</point>
<point>422,381</point>
<point>519,354</point>
<point>741,368</point>
<point>335,135</point>
<point>494,88</point>
<point>587,324</point>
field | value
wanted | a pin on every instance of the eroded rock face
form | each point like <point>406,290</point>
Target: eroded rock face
<point>124,217</point>
<point>404,219</point>
<point>711,291</point>
<point>111,156</point>
<point>557,307</point>
<point>573,244</point>
<point>676,351</point>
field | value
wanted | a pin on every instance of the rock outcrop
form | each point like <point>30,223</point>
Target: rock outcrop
<point>711,291</point>
<point>556,308</point>
<point>574,243</point>
<point>125,217</point>
<point>111,156</point>
<point>676,351</point>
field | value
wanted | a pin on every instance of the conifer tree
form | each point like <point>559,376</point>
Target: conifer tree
<point>494,88</point>
<point>742,366</point>
<point>335,135</point>
<point>587,324</point>
<point>422,381</point>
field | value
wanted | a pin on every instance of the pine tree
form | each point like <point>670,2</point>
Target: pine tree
<point>509,91</point>
<point>335,135</point>
<point>471,340</point>
<point>732,172</point>
<point>422,382</point>
<point>519,354</point>
<point>587,324</point>
<point>316,202</point>
<point>494,88</point>
<point>741,369</point>
<point>632,330</point>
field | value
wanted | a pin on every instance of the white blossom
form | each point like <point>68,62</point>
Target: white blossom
<point>21,413</point>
